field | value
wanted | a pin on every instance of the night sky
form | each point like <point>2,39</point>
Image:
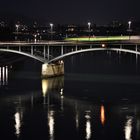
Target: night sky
<point>72,11</point>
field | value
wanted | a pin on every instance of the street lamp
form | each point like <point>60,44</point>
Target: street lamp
<point>17,29</point>
<point>51,25</point>
<point>129,25</point>
<point>35,35</point>
<point>89,26</point>
<point>129,28</point>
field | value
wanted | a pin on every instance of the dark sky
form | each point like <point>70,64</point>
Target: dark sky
<point>73,11</point>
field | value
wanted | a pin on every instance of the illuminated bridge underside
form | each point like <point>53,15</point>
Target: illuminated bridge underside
<point>70,53</point>
<point>23,53</point>
<point>92,50</point>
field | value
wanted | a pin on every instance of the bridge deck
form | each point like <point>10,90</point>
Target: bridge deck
<point>69,43</point>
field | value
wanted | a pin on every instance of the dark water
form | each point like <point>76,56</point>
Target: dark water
<point>98,99</point>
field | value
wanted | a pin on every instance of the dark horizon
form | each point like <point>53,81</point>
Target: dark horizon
<point>77,12</point>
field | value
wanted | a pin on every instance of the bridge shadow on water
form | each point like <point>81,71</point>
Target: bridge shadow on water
<point>103,76</point>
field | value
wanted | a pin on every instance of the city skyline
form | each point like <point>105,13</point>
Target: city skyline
<point>78,12</point>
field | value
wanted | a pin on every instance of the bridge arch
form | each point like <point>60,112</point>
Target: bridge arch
<point>25,54</point>
<point>93,49</point>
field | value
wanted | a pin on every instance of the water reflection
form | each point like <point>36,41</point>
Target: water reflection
<point>102,115</point>
<point>51,123</point>
<point>62,99</point>
<point>128,128</point>
<point>76,117</point>
<point>18,116</point>
<point>44,87</point>
<point>52,83</point>
<point>17,123</point>
<point>48,85</point>
<point>67,117</point>
<point>4,75</point>
<point>88,125</point>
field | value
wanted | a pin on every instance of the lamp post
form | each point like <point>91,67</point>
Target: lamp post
<point>51,26</point>
<point>35,35</point>
<point>17,29</point>
<point>129,25</point>
<point>129,28</point>
<point>89,26</point>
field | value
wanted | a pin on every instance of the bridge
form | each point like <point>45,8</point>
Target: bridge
<point>50,53</point>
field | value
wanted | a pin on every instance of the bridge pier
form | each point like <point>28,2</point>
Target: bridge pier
<point>53,69</point>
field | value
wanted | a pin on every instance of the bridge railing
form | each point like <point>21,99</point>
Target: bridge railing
<point>46,52</point>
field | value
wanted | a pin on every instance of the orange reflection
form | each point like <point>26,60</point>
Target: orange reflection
<point>102,114</point>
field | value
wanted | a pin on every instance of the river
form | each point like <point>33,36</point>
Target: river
<point>97,98</point>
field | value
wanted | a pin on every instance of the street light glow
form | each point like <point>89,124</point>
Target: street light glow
<point>129,25</point>
<point>89,24</point>
<point>129,22</point>
<point>51,25</point>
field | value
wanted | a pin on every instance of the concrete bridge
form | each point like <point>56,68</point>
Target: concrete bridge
<point>51,53</point>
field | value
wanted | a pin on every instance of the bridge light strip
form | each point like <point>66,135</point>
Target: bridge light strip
<point>109,38</point>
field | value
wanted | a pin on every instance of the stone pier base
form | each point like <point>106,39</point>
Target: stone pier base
<point>52,70</point>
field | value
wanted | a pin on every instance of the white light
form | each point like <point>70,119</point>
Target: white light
<point>88,126</point>
<point>44,69</point>
<point>51,124</point>
<point>17,26</point>
<point>77,120</point>
<point>3,75</point>
<point>61,92</point>
<point>103,45</point>
<point>6,73</point>
<point>51,24</point>
<point>129,23</point>
<point>61,62</point>
<point>88,130</point>
<point>89,24</point>
<point>44,87</point>
<point>18,123</point>
<point>128,128</point>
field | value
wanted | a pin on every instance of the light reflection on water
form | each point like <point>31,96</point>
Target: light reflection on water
<point>18,116</point>
<point>88,125</point>
<point>4,75</point>
<point>51,123</point>
<point>50,113</point>
<point>17,123</point>
<point>102,114</point>
<point>128,128</point>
